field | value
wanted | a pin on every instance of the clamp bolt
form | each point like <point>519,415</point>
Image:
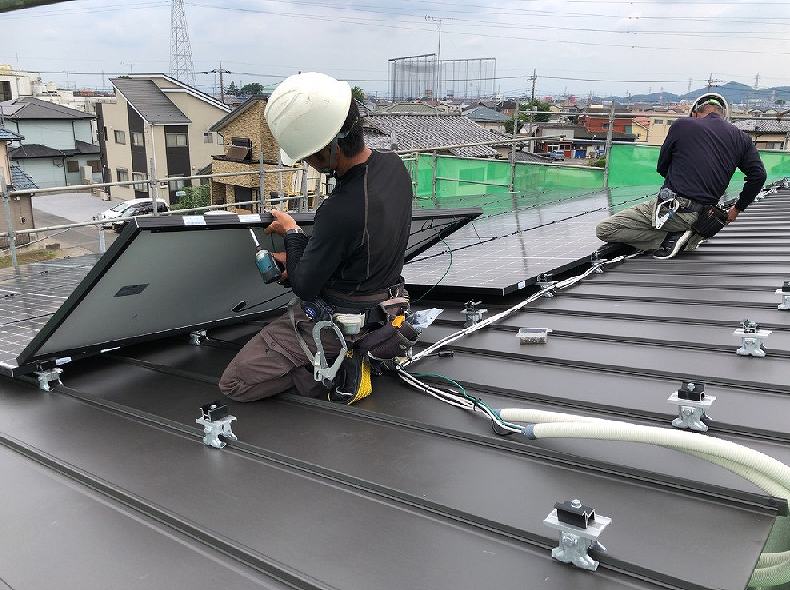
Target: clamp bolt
<point>579,528</point>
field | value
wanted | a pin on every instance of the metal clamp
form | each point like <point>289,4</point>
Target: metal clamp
<point>47,376</point>
<point>785,293</point>
<point>692,404</point>
<point>196,337</point>
<point>579,529</point>
<point>596,263</point>
<point>216,423</point>
<point>322,372</point>
<point>544,282</point>
<point>473,313</point>
<point>752,339</point>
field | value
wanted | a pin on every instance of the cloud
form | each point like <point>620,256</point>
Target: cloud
<point>354,40</point>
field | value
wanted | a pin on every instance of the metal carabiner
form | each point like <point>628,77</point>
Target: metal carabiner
<point>667,203</point>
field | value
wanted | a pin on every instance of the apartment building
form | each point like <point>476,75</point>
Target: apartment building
<point>160,122</point>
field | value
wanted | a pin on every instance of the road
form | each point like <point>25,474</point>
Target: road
<point>67,208</point>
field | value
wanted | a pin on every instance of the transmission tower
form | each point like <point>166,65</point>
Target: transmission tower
<point>181,67</point>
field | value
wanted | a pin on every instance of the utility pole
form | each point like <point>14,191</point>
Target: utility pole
<point>438,22</point>
<point>608,149</point>
<point>757,81</point>
<point>221,71</point>
<point>689,89</point>
<point>534,79</point>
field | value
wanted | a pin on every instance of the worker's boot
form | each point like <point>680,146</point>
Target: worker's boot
<point>672,245</point>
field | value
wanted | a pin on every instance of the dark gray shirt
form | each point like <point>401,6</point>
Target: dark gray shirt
<point>700,155</point>
<point>358,241</point>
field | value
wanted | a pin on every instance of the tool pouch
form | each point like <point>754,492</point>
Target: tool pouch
<point>710,221</point>
<point>352,382</point>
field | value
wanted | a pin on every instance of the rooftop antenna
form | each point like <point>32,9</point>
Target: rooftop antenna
<point>181,67</point>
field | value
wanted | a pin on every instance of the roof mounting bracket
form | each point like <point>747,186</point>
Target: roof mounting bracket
<point>752,338</point>
<point>216,423</point>
<point>692,404</point>
<point>47,376</point>
<point>533,335</point>
<point>196,337</point>
<point>785,293</point>
<point>579,528</point>
<point>545,282</point>
<point>473,313</point>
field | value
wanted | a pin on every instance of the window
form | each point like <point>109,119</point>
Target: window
<point>5,90</point>
<point>72,166</point>
<point>659,121</point>
<point>142,186</point>
<point>220,140</point>
<point>138,138</point>
<point>175,185</point>
<point>122,174</point>
<point>120,137</point>
<point>104,132</point>
<point>208,137</point>
<point>95,166</point>
<point>176,139</point>
<point>242,141</point>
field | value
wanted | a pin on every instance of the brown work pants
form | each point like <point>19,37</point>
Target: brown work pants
<point>273,362</point>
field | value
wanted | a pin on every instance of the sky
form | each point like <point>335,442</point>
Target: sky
<point>607,47</point>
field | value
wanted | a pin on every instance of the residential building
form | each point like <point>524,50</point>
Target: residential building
<point>410,131</point>
<point>157,120</point>
<point>575,141</point>
<point>767,134</point>
<point>58,147</point>
<point>16,179</point>
<point>658,127</point>
<point>246,135</point>
<point>488,118</point>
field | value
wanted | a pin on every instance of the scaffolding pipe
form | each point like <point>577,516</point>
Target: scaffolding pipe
<point>608,148</point>
<point>11,235</point>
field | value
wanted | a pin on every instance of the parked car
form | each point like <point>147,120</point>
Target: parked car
<point>556,155</point>
<point>130,208</point>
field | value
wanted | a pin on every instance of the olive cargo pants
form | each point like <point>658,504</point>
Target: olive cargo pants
<point>273,362</point>
<point>634,227</point>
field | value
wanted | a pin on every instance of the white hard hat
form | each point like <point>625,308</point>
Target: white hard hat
<point>710,98</point>
<point>305,113</point>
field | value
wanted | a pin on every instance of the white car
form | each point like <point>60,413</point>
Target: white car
<point>128,209</point>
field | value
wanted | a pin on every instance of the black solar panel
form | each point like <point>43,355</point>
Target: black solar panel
<point>503,253</point>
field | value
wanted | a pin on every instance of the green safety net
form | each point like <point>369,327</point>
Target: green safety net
<point>478,182</point>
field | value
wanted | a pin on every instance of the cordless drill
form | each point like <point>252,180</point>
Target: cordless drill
<point>267,265</point>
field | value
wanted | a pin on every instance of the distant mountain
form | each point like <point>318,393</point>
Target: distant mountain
<point>734,92</point>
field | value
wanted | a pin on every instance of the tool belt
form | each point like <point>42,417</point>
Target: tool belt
<point>710,221</point>
<point>374,333</point>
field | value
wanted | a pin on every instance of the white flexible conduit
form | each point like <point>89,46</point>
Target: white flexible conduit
<point>773,569</point>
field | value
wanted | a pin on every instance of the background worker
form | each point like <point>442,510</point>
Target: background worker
<point>354,257</point>
<point>697,161</point>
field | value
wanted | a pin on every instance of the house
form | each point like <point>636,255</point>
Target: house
<point>413,131</point>
<point>17,180</point>
<point>488,118</point>
<point>58,147</point>
<point>578,142</point>
<point>246,135</point>
<point>160,121</point>
<point>767,134</point>
<point>412,108</point>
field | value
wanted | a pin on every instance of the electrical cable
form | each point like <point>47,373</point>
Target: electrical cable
<point>446,272</point>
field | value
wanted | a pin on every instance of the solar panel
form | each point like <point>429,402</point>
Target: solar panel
<point>503,253</point>
<point>161,276</point>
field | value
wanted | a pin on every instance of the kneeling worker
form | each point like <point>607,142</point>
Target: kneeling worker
<point>353,260</point>
<point>697,161</point>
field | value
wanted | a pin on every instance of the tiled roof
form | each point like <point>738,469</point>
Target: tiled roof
<point>83,147</point>
<point>29,107</point>
<point>425,131</point>
<point>149,100</point>
<point>486,115</point>
<point>8,135</point>
<point>415,108</point>
<point>35,150</point>
<point>763,125</point>
<point>20,179</point>
<point>235,113</point>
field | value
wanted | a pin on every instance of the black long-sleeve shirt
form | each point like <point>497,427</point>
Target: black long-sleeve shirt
<point>357,245</point>
<point>700,155</point>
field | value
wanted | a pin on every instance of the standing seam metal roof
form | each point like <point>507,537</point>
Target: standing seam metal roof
<point>149,100</point>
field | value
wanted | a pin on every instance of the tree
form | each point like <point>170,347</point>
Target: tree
<point>195,197</point>
<point>232,89</point>
<point>358,94</point>
<point>251,89</point>
<point>524,116</point>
